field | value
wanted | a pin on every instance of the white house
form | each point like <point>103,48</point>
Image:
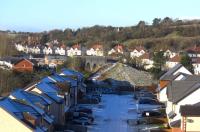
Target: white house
<point>61,50</point>
<point>196,65</point>
<point>19,47</point>
<point>180,93</point>
<point>190,118</point>
<point>47,50</point>
<point>147,61</point>
<point>118,49</point>
<point>137,52</point>
<point>95,50</point>
<point>75,50</point>
<point>173,61</point>
<point>178,72</point>
<point>193,51</point>
<point>169,53</point>
<point>36,50</point>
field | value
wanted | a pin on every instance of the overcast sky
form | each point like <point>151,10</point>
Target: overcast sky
<point>40,15</point>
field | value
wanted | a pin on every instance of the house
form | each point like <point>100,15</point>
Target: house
<point>67,85</point>
<point>61,50</point>
<point>190,118</point>
<point>147,61</point>
<point>36,49</point>
<point>193,51</point>
<point>48,50</point>
<point>23,65</point>
<point>19,47</point>
<point>18,64</point>
<point>54,60</point>
<point>169,53</point>
<point>196,65</point>
<point>118,49</point>
<point>137,52</point>
<point>178,72</point>
<point>18,116</point>
<point>173,61</point>
<point>52,92</point>
<point>80,80</point>
<point>95,50</point>
<point>39,103</point>
<point>184,92</point>
<point>75,50</point>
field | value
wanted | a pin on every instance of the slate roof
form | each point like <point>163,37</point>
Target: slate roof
<point>170,72</point>
<point>69,72</point>
<point>17,108</point>
<point>10,59</point>
<point>33,100</point>
<point>193,78</point>
<point>190,110</point>
<point>51,90</point>
<point>177,90</point>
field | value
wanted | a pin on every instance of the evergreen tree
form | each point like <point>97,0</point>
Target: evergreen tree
<point>186,61</point>
<point>159,62</point>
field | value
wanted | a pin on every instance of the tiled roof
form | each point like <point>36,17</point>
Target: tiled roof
<point>176,58</point>
<point>194,49</point>
<point>97,46</point>
<point>145,56</point>
<point>139,48</point>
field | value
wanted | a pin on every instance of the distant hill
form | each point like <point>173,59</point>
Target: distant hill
<point>162,34</point>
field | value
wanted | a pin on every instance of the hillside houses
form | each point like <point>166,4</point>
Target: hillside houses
<point>173,61</point>
<point>75,50</point>
<point>137,52</point>
<point>170,53</point>
<point>95,50</point>
<point>180,90</point>
<point>118,49</point>
<point>41,105</point>
<point>147,61</point>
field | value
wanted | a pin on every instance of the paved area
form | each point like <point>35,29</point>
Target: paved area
<point>112,113</point>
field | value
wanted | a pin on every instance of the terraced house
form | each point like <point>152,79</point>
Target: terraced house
<point>42,105</point>
<point>180,91</point>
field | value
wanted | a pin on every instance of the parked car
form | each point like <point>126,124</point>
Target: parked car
<point>151,114</point>
<point>82,109</point>
<point>82,121</point>
<point>148,101</point>
<point>82,114</point>
<point>90,99</point>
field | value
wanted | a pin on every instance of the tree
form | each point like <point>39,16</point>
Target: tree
<point>156,22</point>
<point>44,39</point>
<point>186,61</point>
<point>159,61</point>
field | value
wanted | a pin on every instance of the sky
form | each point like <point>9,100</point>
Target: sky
<point>44,15</point>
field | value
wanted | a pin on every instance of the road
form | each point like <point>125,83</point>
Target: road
<point>112,113</point>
